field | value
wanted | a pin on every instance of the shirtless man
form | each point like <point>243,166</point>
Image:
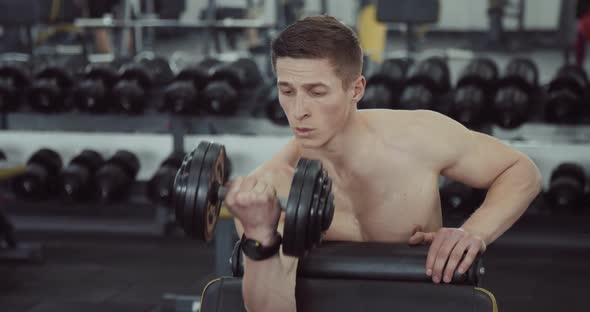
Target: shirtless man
<point>384,164</point>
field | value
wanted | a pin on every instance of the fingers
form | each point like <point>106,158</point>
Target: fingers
<point>447,239</point>
<point>421,238</point>
<point>433,251</point>
<point>417,238</point>
<point>472,252</point>
<point>233,189</point>
<point>454,259</point>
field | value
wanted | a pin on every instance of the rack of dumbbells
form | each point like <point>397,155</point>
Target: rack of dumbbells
<point>97,190</point>
<point>549,122</point>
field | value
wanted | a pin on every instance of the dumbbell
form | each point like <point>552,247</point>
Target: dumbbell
<point>513,102</point>
<point>459,198</point>
<point>160,187</point>
<point>50,90</point>
<point>2,155</point>
<point>566,186</point>
<point>184,94</point>
<point>116,176</point>
<point>566,95</point>
<point>136,81</point>
<point>269,99</point>
<point>41,177</point>
<point>385,85</point>
<point>93,93</point>
<point>221,95</point>
<point>78,177</point>
<point>427,82</point>
<point>199,189</point>
<point>474,92</point>
<point>7,237</point>
<point>14,81</point>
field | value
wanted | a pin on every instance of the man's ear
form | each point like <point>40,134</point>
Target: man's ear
<point>358,88</point>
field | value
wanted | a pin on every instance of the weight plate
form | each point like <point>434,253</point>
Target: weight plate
<point>304,207</point>
<point>207,205</point>
<point>179,187</point>
<point>313,220</point>
<point>289,230</point>
<point>191,221</point>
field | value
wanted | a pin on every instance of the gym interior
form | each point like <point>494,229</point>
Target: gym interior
<point>108,108</point>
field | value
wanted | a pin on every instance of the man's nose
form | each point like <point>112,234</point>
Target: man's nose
<point>300,110</point>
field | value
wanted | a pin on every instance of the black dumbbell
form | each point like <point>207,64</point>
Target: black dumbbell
<point>428,80</point>
<point>269,101</point>
<point>78,177</point>
<point>14,81</point>
<point>184,94</point>
<point>2,155</point>
<point>221,95</point>
<point>160,187</point>
<point>41,177</point>
<point>93,93</point>
<point>116,176</point>
<point>566,187</point>
<point>474,92</point>
<point>385,85</point>
<point>199,189</point>
<point>50,90</point>
<point>513,102</point>
<point>458,198</point>
<point>136,82</point>
<point>566,95</point>
<point>7,237</point>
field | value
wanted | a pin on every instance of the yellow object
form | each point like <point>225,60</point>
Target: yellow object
<point>372,34</point>
<point>9,172</point>
<point>205,289</point>
<point>492,298</point>
<point>225,214</point>
<point>55,7</point>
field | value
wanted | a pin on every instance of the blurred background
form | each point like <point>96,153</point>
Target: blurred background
<point>100,100</point>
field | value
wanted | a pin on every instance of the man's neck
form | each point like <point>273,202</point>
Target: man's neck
<point>344,153</point>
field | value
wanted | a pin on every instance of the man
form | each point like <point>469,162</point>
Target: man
<point>384,164</point>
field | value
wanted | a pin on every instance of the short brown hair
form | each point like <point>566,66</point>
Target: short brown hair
<point>322,37</point>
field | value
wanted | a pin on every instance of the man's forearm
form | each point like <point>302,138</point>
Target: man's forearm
<point>268,286</point>
<point>507,199</point>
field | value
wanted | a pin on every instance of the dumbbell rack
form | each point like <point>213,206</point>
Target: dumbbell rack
<point>136,215</point>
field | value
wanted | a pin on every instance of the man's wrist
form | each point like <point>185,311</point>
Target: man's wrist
<point>266,237</point>
<point>475,234</point>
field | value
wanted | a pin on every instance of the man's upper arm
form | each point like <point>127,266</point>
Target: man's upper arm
<point>470,157</point>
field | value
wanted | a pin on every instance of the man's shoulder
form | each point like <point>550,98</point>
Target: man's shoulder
<point>407,123</point>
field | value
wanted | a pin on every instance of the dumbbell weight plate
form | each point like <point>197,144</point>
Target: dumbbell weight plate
<point>291,211</point>
<point>184,197</point>
<point>212,177</point>
<point>302,211</point>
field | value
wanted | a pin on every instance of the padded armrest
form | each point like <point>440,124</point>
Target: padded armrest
<point>359,295</point>
<point>370,261</point>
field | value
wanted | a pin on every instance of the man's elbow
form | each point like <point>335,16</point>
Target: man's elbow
<point>535,179</point>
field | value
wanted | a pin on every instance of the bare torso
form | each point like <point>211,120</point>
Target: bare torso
<point>391,193</point>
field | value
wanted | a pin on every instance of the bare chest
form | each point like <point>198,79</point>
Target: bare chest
<point>399,196</point>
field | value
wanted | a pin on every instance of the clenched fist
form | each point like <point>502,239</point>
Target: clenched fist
<point>254,202</point>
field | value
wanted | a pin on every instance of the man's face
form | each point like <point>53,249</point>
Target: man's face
<point>313,99</point>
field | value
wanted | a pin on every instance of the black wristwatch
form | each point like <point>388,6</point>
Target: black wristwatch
<point>254,250</point>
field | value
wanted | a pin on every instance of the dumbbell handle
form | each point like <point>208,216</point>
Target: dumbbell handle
<point>222,191</point>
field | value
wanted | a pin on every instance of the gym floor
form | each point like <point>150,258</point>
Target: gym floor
<point>114,273</point>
